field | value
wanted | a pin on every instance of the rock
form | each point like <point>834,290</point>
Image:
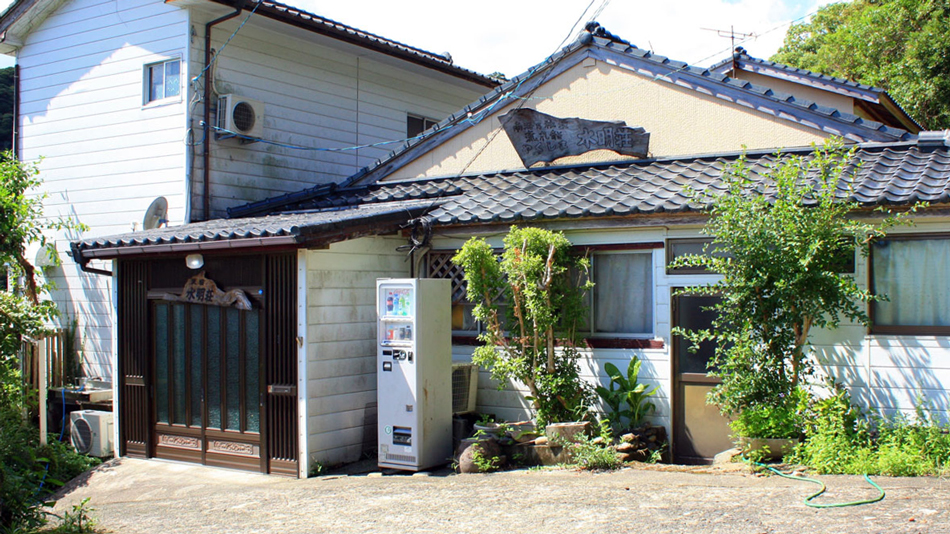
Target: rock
<point>627,437</point>
<point>626,447</point>
<point>726,456</point>
<point>598,441</point>
<point>541,440</point>
<point>487,447</point>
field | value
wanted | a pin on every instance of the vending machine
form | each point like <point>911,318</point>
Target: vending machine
<point>414,373</point>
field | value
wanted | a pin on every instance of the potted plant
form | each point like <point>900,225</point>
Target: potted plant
<point>770,431</point>
<point>625,390</point>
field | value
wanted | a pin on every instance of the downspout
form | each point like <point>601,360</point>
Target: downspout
<point>16,111</point>
<point>206,157</point>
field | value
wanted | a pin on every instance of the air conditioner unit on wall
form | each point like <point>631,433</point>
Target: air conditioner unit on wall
<point>239,118</point>
<point>91,432</point>
<point>464,387</point>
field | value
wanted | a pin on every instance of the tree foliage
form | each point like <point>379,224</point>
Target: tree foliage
<point>531,308</point>
<point>902,46</point>
<point>780,248</point>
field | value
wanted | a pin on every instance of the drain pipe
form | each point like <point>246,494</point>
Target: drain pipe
<point>206,157</point>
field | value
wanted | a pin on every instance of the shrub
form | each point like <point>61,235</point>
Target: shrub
<point>531,305</point>
<point>841,440</point>
<point>783,420</point>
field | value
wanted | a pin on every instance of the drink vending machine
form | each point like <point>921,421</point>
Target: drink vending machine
<point>414,372</point>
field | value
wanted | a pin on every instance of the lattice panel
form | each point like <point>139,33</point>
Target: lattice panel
<point>439,265</point>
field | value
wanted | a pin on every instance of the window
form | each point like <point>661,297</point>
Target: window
<point>906,270</point>
<point>676,248</point>
<point>415,125</point>
<point>163,80</point>
<point>842,260</point>
<point>623,293</point>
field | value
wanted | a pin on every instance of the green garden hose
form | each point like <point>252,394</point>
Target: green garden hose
<point>822,490</point>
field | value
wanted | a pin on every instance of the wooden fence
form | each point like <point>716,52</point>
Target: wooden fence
<point>53,350</point>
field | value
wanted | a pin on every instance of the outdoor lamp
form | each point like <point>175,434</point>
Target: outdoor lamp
<point>194,261</point>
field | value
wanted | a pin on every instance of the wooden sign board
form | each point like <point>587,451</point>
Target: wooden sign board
<point>201,290</point>
<point>538,136</point>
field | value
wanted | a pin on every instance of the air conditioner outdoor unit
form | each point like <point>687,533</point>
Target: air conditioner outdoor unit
<point>91,432</point>
<point>464,387</point>
<point>239,117</point>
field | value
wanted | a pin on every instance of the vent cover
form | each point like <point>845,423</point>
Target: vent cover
<point>81,434</point>
<point>464,387</point>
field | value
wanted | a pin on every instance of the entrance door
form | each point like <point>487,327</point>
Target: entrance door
<point>207,387</point>
<point>699,431</point>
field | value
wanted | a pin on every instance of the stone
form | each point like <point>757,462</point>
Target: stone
<point>541,440</point>
<point>598,441</point>
<point>626,446</point>
<point>487,447</point>
<point>627,437</point>
<point>726,456</point>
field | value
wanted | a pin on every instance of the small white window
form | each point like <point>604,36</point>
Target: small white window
<point>162,80</point>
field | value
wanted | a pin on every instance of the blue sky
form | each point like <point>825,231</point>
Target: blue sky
<point>512,35</point>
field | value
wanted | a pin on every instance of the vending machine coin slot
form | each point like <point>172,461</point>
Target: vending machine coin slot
<point>387,366</point>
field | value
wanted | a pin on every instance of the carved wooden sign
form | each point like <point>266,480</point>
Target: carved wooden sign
<point>541,137</point>
<point>201,290</point>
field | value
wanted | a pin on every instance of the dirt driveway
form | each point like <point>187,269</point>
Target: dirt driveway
<point>137,496</point>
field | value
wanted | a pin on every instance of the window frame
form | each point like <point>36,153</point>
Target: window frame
<point>901,330</point>
<point>646,249</point>
<point>147,82</point>
<point>426,124</point>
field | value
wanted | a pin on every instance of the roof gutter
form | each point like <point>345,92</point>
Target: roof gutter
<point>206,156</point>
<point>83,261</point>
<point>170,248</point>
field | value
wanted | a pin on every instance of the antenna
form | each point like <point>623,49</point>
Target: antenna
<point>155,215</point>
<point>731,34</point>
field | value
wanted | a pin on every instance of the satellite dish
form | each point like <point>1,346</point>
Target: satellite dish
<point>156,214</point>
<point>44,256</point>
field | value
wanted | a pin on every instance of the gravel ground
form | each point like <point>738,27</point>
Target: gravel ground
<point>137,496</point>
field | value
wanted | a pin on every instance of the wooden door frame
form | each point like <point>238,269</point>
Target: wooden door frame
<point>675,379</point>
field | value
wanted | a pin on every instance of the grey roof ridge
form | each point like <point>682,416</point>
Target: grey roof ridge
<point>586,38</point>
<point>744,56</point>
<point>882,93</point>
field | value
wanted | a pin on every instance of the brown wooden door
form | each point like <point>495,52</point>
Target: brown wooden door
<point>133,369</point>
<point>207,389</point>
<point>699,431</point>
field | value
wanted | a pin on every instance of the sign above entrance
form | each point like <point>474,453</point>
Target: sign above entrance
<point>201,290</point>
<point>541,137</point>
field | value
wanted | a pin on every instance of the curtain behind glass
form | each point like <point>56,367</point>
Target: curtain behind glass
<point>909,273</point>
<point>623,293</point>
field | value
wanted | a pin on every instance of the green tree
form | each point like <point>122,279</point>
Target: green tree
<point>781,245</point>
<point>902,46</point>
<point>531,307</point>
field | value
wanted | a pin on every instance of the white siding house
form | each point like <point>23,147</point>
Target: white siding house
<point>108,142</point>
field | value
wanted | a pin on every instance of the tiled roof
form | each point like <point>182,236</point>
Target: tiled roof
<point>287,229</point>
<point>891,174</point>
<point>603,45</point>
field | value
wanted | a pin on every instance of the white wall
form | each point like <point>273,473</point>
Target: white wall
<point>317,93</point>
<point>341,344</point>
<point>883,373</point>
<point>103,156</point>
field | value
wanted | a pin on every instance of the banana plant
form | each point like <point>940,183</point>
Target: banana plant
<point>625,390</point>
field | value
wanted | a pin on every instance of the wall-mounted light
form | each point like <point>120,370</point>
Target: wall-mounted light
<point>194,261</point>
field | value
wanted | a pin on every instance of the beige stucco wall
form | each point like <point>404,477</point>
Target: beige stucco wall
<point>680,121</point>
<point>824,98</point>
